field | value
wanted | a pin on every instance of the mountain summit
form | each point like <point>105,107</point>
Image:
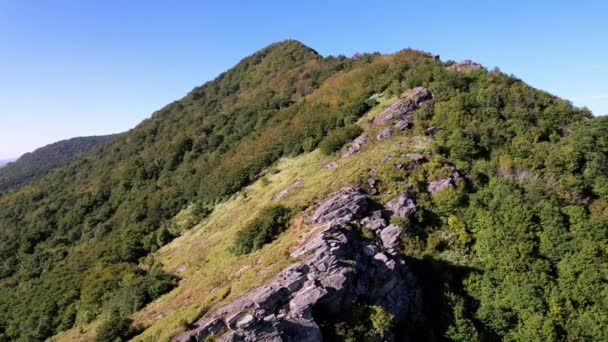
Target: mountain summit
<point>301,197</point>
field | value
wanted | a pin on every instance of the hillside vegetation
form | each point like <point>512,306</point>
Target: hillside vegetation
<point>36,164</point>
<point>515,249</point>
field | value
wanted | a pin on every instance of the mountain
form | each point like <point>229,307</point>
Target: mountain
<point>377,197</point>
<point>6,161</point>
<point>36,164</point>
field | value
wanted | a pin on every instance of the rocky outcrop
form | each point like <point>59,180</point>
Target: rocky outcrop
<point>440,184</point>
<point>417,157</point>
<point>332,270</point>
<point>385,133</point>
<point>355,145</point>
<point>466,65</point>
<point>404,205</point>
<point>402,109</point>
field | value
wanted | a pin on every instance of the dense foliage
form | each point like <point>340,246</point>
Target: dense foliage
<point>338,138</point>
<point>36,164</point>
<point>262,229</point>
<point>101,215</point>
<point>514,249</point>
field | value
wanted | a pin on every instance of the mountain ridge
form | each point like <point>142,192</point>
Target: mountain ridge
<point>512,169</point>
<point>33,165</point>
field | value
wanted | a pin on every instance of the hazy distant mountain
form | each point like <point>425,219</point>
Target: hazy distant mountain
<point>33,165</point>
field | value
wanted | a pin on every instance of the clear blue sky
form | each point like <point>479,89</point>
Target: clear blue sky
<point>74,67</point>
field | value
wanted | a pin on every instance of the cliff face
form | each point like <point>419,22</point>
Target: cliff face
<point>334,270</point>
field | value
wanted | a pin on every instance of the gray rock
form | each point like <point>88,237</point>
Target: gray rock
<point>403,205</point>
<point>440,184</point>
<point>402,124</point>
<point>336,268</point>
<point>466,65</point>
<point>372,182</point>
<point>399,109</point>
<point>376,220</point>
<point>330,165</point>
<point>355,145</point>
<point>417,157</point>
<point>390,236</point>
<point>386,159</point>
<point>346,204</point>
<point>417,95</point>
<point>432,130</point>
<point>387,132</point>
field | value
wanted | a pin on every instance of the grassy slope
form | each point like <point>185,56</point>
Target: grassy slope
<point>213,275</point>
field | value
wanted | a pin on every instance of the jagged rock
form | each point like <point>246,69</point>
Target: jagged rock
<point>377,220</point>
<point>355,145</point>
<point>444,183</point>
<point>465,65</point>
<point>346,204</point>
<point>387,132</point>
<point>404,204</point>
<point>432,130</point>
<point>330,165</point>
<point>372,182</point>
<point>417,157</point>
<point>390,236</point>
<point>438,185</point>
<point>281,194</point>
<point>397,110</point>
<point>402,109</point>
<point>386,159</point>
<point>417,95</point>
<point>337,268</point>
<point>402,124</point>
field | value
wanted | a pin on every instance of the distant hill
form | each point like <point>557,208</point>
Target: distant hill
<point>5,161</point>
<point>30,166</point>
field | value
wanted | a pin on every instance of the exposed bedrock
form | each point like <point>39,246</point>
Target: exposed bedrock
<point>333,269</point>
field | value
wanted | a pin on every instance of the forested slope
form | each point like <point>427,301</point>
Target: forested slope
<point>36,164</point>
<point>513,248</point>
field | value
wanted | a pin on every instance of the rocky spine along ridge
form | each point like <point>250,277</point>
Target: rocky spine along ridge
<point>334,269</point>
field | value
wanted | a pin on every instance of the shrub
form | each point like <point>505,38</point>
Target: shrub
<point>337,138</point>
<point>263,229</point>
<point>114,328</point>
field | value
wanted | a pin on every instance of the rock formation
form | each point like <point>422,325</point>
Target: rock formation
<point>403,108</point>
<point>355,145</point>
<point>334,269</point>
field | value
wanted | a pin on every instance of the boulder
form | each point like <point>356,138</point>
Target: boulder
<point>377,220</point>
<point>440,184</point>
<point>417,95</point>
<point>330,165</point>
<point>355,145</point>
<point>417,157</point>
<point>387,132</point>
<point>397,110</point>
<point>402,124</point>
<point>372,182</point>
<point>404,205</point>
<point>390,236</point>
<point>346,204</point>
<point>402,109</point>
